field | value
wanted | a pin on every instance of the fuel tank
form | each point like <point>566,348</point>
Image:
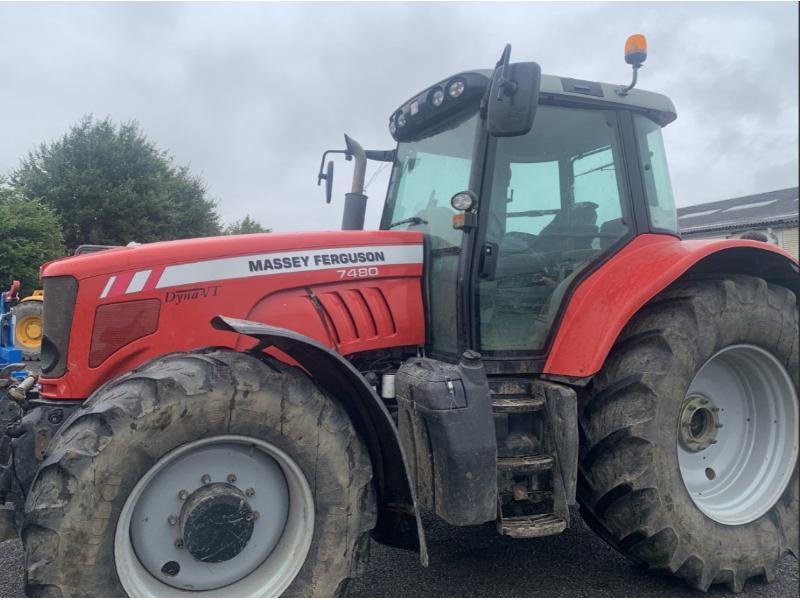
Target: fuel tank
<point>107,312</point>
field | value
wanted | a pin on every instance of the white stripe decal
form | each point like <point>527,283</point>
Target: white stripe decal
<point>109,283</point>
<point>138,281</point>
<point>259,265</point>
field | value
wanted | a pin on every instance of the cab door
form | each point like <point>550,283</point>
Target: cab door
<point>555,202</point>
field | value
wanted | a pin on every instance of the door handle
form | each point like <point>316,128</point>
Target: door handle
<point>488,266</point>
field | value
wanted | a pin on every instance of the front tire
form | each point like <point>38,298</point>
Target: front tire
<point>706,357</point>
<point>117,499</point>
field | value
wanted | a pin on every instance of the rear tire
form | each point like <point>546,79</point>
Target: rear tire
<point>28,329</point>
<point>110,449</point>
<point>635,487</point>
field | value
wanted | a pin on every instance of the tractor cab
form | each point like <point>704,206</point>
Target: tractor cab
<point>519,207</point>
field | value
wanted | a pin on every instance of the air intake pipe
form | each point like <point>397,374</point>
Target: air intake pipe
<point>355,202</point>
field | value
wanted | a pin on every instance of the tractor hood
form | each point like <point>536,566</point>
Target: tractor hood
<point>107,312</point>
<point>155,255</point>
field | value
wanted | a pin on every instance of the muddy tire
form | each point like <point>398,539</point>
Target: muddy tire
<point>28,329</point>
<point>651,417</point>
<point>106,459</point>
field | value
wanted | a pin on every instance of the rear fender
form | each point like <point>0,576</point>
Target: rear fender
<point>399,522</point>
<point>606,300</point>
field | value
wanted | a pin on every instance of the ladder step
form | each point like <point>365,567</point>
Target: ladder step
<point>517,405</point>
<point>535,462</point>
<point>532,526</point>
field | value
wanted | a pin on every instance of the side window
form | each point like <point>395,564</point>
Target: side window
<point>658,189</point>
<point>533,189</point>
<point>595,177</point>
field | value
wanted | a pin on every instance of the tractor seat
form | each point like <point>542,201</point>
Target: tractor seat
<point>560,233</point>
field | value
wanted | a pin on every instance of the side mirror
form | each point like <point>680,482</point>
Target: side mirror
<point>513,96</point>
<point>328,177</point>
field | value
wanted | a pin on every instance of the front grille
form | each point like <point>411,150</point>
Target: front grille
<point>59,306</point>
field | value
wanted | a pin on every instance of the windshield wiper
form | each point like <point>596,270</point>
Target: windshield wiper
<point>411,220</point>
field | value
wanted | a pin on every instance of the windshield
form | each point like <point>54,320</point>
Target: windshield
<point>426,174</point>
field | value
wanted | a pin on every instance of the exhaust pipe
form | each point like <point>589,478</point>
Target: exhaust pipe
<point>355,202</point>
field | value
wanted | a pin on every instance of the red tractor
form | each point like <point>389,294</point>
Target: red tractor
<point>525,332</point>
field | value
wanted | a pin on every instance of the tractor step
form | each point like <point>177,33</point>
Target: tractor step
<point>532,526</point>
<point>514,396</point>
<point>517,405</point>
<point>530,463</point>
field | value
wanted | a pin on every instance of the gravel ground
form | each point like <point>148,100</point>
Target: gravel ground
<point>475,562</point>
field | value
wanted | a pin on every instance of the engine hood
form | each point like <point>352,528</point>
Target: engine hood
<point>199,249</point>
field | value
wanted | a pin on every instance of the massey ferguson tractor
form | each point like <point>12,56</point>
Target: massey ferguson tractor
<point>526,332</point>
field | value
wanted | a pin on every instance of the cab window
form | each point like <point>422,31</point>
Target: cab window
<point>556,203</point>
<point>657,186</point>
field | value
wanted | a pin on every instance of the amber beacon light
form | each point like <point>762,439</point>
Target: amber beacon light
<point>635,55</point>
<point>636,50</point>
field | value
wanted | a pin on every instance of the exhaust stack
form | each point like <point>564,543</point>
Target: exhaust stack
<point>355,201</point>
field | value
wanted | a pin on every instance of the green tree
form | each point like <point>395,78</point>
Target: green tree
<point>30,235</point>
<point>110,185</point>
<point>246,225</point>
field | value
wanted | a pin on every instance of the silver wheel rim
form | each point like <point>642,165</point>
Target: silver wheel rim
<point>738,434</point>
<point>148,536</point>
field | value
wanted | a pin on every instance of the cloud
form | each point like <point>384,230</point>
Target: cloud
<point>249,95</point>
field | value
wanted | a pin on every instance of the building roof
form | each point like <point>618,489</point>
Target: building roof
<point>776,208</point>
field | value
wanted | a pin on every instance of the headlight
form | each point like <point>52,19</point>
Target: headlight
<point>401,120</point>
<point>392,126</point>
<point>456,88</point>
<point>463,201</point>
<point>437,97</point>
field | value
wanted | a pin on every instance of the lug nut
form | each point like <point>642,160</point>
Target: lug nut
<point>183,495</point>
<point>231,478</point>
<point>249,517</point>
<point>719,425</point>
<point>172,520</point>
<point>179,543</point>
<point>206,479</point>
<point>250,492</point>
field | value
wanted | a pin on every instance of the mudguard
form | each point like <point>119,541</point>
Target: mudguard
<point>607,299</point>
<point>399,522</point>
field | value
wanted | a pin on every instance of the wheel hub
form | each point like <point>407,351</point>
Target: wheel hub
<point>216,522</point>
<point>228,513</point>
<point>699,423</point>
<point>29,332</point>
<point>736,474</point>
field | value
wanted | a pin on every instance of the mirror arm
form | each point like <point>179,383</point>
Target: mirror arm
<point>381,155</point>
<point>321,174</point>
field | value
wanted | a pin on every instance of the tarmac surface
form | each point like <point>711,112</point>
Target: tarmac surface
<point>476,562</point>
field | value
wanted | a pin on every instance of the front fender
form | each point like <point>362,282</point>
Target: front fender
<point>606,300</point>
<point>399,522</point>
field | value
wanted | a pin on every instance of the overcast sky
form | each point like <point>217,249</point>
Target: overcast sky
<point>249,95</point>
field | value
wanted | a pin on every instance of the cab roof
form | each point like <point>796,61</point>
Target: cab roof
<point>658,106</point>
